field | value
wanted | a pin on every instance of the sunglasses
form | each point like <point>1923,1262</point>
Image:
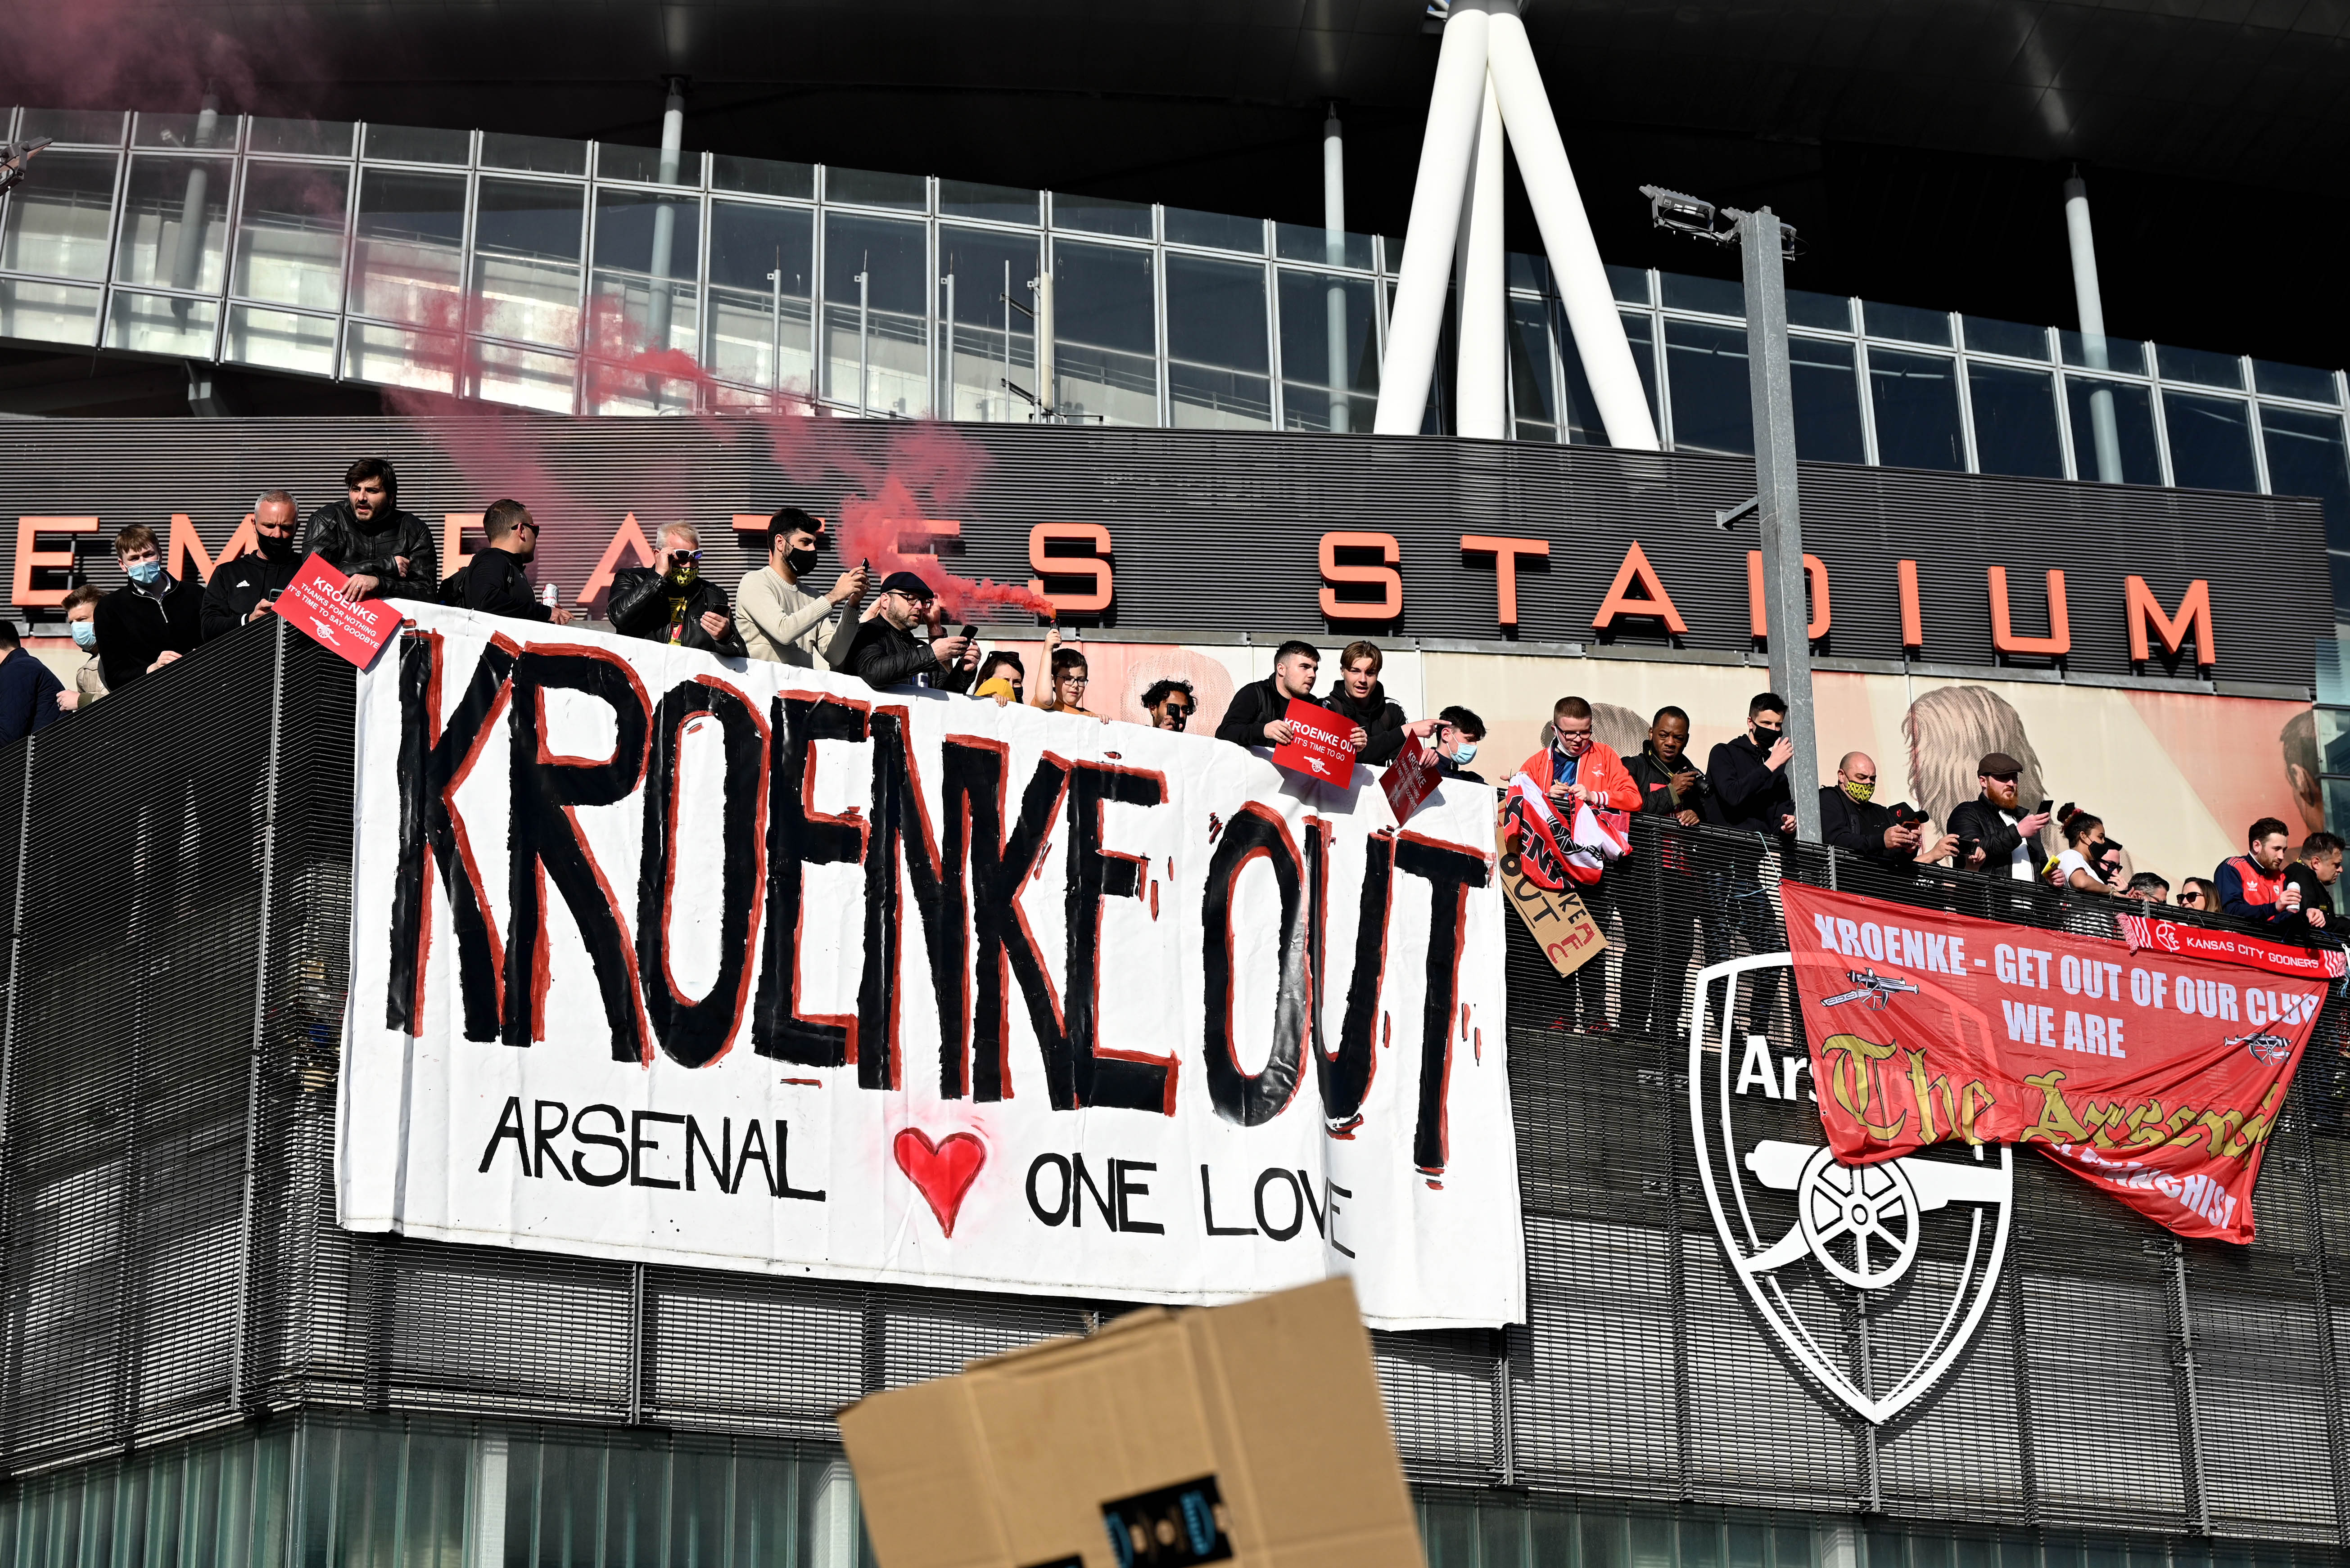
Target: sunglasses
<point>1178,710</point>
<point>2003,778</point>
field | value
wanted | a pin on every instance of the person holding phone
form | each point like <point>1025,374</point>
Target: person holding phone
<point>1996,835</point>
<point>670,601</point>
<point>903,643</point>
<point>244,588</point>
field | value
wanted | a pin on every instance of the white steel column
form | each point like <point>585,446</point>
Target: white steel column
<point>2104,434</point>
<point>1599,339</point>
<point>1334,251</point>
<point>665,215</point>
<point>1485,368</point>
<point>1418,320</point>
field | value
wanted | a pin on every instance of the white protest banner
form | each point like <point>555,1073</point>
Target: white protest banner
<point>738,965</point>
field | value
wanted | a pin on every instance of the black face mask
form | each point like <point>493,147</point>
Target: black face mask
<point>801,560</point>
<point>275,548</point>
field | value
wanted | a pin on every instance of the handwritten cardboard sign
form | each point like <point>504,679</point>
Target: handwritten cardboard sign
<point>1318,745</point>
<point>1412,778</point>
<point>1558,922</point>
<point>314,602</point>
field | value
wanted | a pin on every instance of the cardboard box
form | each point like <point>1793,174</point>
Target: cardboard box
<point>1253,1434</point>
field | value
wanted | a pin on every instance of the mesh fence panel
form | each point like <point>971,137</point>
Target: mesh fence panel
<point>176,984</point>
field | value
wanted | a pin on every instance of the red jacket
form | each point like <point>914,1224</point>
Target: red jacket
<point>1605,778</point>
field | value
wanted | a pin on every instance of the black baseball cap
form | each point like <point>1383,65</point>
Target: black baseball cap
<point>907,583</point>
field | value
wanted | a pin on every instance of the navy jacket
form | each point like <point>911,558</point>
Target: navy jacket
<point>28,696</point>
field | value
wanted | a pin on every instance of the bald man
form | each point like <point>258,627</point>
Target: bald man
<point>1850,819</point>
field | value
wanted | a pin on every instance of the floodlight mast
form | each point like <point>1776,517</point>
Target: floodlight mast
<point>1765,243</point>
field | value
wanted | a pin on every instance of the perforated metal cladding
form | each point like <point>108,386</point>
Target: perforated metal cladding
<point>1218,530</point>
<point>157,1283</point>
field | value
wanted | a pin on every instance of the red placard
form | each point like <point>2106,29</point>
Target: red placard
<point>1409,779</point>
<point>314,602</point>
<point>2154,1076</point>
<point>1319,743</point>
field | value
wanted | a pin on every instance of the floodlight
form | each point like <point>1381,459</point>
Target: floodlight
<point>13,158</point>
<point>1685,214</point>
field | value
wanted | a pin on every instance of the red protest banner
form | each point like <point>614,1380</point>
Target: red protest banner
<point>2231,947</point>
<point>1319,743</point>
<point>314,602</point>
<point>2158,1079</point>
<point>1412,778</point>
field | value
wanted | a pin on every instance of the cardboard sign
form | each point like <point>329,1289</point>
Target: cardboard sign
<point>314,602</point>
<point>1409,779</point>
<point>1318,744</point>
<point>1252,1434</point>
<point>1558,921</point>
<point>2154,1077</point>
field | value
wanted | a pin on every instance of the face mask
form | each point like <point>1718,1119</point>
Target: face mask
<point>145,572</point>
<point>274,548</point>
<point>84,635</point>
<point>1465,755</point>
<point>686,574</point>
<point>1859,792</point>
<point>801,560</point>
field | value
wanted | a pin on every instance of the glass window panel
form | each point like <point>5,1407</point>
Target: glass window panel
<point>183,130</point>
<point>1638,334</point>
<point>995,204</point>
<point>630,389</point>
<point>1720,296</point>
<point>648,249</point>
<point>2210,443</point>
<point>2306,458</point>
<point>762,177</point>
<point>58,216</point>
<point>327,137</point>
<point>1533,394</point>
<point>1329,352</point>
<point>1827,401</point>
<point>176,223</point>
<point>2334,675</point>
<point>2012,338</point>
<point>157,324</point>
<point>1449,1533</point>
<point>1218,231</point>
<point>526,242</point>
<point>280,340</point>
<point>2333,737</point>
<point>2199,366</point>
<point>1104,334</point>
<point>2091,406</point>
<point>992,342</point>
<point>289,242</point>
<point>872,188</point>
<point>2127,355</point>
<point>1101,215</point>
<point>1520,270</point>
<point>760,324</point>
<point>1501,1537</point>
<point>85,127</point>
<point>533,154</point>
<point>2338,800</point>
<point>408,250</point>
<point>518,376</point>
<point>887,368</point>
<point>419,144</point>
<point>1905,323</point>
<point>1216,313</point>
<point>1831,312</point>
<point>1204,397</point>
<point>2293,381</point>
<point>393,357</point>
<point>1629,284</point>
<point>2015,421</point>
<point>1713,406</point>
<point>49,312</point>
<point>1915,401</point>
<point>643,164</point>
<point>1303,242</point>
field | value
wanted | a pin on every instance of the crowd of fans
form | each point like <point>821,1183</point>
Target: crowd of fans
<point>777,614</point>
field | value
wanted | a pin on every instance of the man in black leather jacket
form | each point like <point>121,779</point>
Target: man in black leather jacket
<point>494,581</point>
<point>385,552</point>
<point>670,601</point>
<point>888,650</point>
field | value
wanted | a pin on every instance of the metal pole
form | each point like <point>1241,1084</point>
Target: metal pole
<point>240,1349</point>
<point>188,259</point>
<point>775,337</point>
<point>665,216</point>
<point>1334,251</point>
<point>1484,369</point>
<point>2105,435</point>
<point>864,361</point>
<point>1048,391</point>
<point>1787,615</point>
<point>946,376</point>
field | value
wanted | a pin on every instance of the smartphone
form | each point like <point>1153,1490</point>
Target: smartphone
<point>2043,808</point>
<point>968,633</point>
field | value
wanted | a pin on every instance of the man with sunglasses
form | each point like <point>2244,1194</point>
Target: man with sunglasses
<point>670,601</point>
<point>494,581</point>
<point>1170,704</point>
<point>903,643</point>
<point>2005,836</point>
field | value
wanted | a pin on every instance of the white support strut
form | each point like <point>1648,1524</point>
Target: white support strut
<point>1483,379</point>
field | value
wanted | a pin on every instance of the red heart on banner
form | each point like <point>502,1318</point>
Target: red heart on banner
<point>942,1171</point>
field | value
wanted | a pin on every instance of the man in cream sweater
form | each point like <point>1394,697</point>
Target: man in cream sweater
<point>780,620</point>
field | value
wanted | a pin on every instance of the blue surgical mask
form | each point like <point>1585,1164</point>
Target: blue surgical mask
<point>145,573</point>
<point>1465,755</point>
<point>84,635</point>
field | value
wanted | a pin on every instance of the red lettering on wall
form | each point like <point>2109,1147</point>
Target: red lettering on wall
<point>454,526</point>
<point>1505,553</point>
<point>2059,641</point>
<point>1815,576</point>
<point>2194,617</point>
<point>1913,623</point>
<point>1653,602</point>
<point>628,538</point>
<point>31,558</point>
<point>1383,577</point>
<point>183,552</point>
<point>1094,567</point>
